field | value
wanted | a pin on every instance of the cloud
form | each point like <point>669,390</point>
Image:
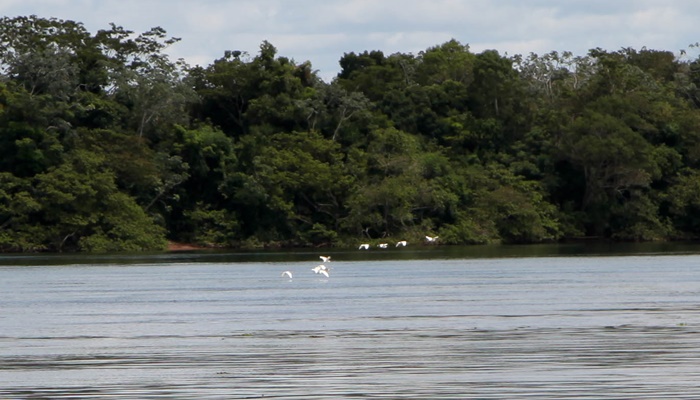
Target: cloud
<point>321,31</point>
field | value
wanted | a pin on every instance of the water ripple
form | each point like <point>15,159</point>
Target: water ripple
<point>524,329</point>
<point>629,361</point>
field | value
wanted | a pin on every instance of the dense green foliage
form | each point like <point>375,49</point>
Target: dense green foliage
<point>108,145</point>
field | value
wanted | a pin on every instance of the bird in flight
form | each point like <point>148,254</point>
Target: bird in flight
<point>287,273</point>
<point>325,258</point>
<point>317,269</point>
<point>401,243</point>
<point>364,246</point>
<point>431,238</point>
<point>383,245</point>
<point>321,269</point>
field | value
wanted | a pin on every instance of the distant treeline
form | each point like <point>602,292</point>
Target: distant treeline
<point>106,144</point>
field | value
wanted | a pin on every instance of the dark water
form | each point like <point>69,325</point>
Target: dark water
<point>426,324</point>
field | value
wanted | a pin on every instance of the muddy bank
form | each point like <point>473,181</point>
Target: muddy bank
<point>176,246</point>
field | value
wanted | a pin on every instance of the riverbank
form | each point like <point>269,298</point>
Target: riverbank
<point>176,246</point>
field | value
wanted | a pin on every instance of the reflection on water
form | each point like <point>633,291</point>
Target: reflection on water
<point>384,327</point>
<point>412,252</point>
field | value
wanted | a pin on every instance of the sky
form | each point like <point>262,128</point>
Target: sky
<point>322,31</point>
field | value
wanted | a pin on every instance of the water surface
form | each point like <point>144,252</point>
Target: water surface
<point>384,325</point>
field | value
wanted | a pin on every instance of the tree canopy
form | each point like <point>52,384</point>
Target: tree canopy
<point>106,144</point>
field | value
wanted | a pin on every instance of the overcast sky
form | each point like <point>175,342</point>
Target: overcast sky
<point>321,31</point>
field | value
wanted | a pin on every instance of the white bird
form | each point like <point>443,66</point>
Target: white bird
<point>383,245</point>
<point>325,258</point>
<point>317,269</point>
<point>401,243</point>
<point>287,273</point>
<point>431,238</point>
<point>321,269</point>
<point>364,246</point>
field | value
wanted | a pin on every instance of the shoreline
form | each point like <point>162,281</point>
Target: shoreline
<point>177,246</point>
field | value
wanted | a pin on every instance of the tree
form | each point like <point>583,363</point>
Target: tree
<point>295,185</point>
<point>16,204</point>
<point>373,74</point>
<point>451,61</point>
<point>78,207</point>
<point>613,159</point>
<point>238,93</point>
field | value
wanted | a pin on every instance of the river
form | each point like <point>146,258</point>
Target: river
<point>417,322</point>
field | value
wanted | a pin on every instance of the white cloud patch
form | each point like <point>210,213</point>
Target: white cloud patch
<point>321,31</point>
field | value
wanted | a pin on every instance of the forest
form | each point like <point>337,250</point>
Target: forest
<point>107,144</point>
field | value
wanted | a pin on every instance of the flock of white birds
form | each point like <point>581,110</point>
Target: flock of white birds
<point>323,269</point>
